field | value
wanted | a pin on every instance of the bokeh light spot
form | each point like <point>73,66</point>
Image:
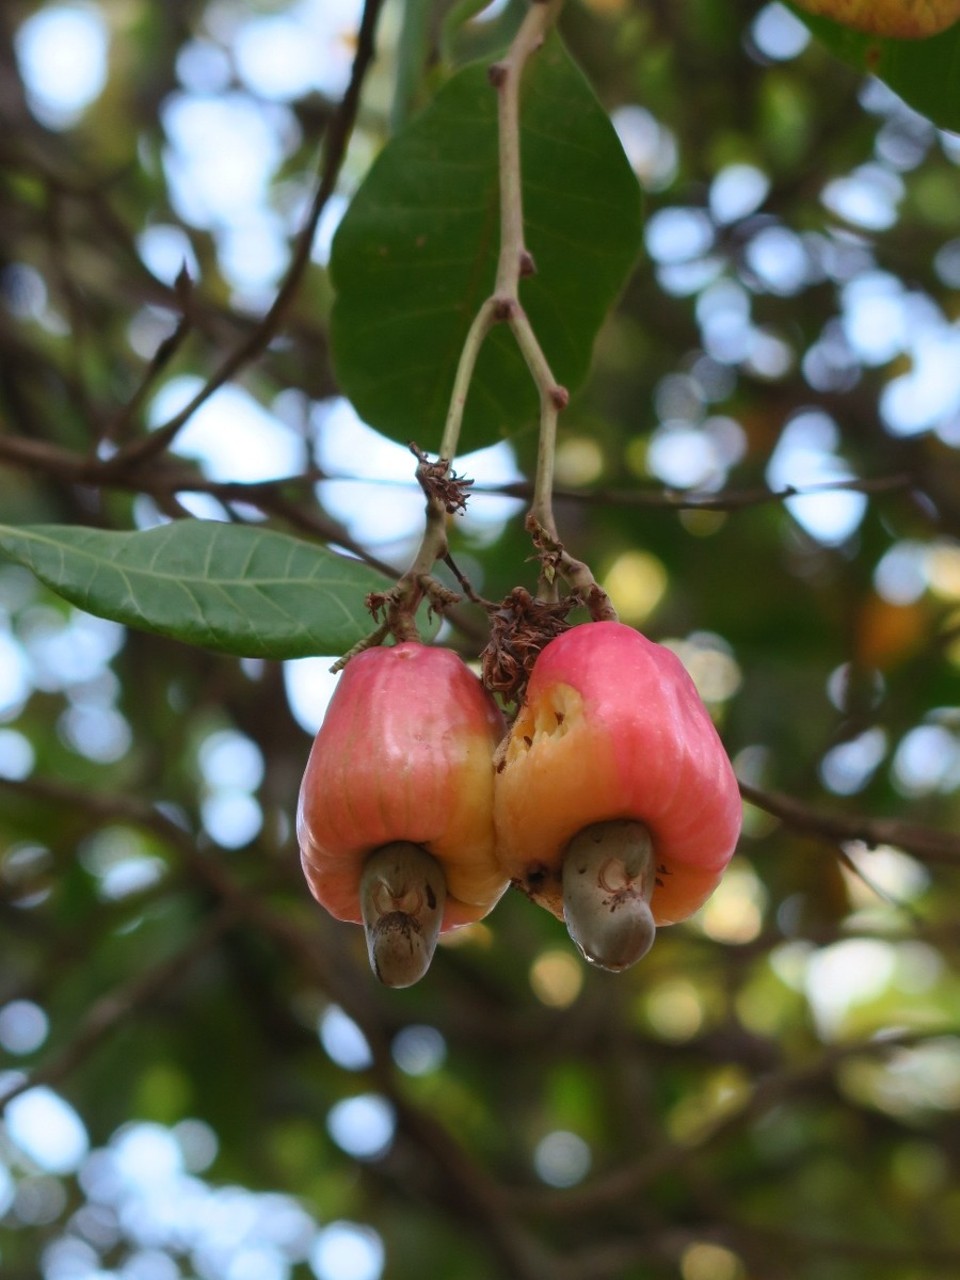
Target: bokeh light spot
<point>231,818</point>
<point>737,191</point>
<point>309,686</point>
<point>734,913</point>
<point>846,974</point>
<point>16,753</point>
<point>650,146</point>
<point>343,1040</point>
<point>562,1159</point>
<point>806,455</point>
<point>62,53</point>
<point>927,759</point>
<point>47,1130</point>
<point>674,1009</point>
<point>849,766</point>
<point>780,36</point>
<point>362,1126</point>
<point>556,978</point>
<point>347,1251</point>
<point>23,1026</point>
<point>704,1261</point>
<point>636,582</point>
<point>418,1050</point>
<point>579,461</point>
<point>229,759</point>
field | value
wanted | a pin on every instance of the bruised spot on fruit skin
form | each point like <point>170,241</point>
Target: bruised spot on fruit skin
<point>402,895</point>
<point>538,876</point>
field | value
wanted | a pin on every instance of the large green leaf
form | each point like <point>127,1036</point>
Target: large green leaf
<point>925,73</point>
<point>416,253</point>
<point>233,588</point>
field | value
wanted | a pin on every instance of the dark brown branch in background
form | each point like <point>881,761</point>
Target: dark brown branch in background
<point>175,476</point>
<point>164,354</point>
<point>722,500</point>
<point>449,1176</point>
<point>254,899</point>
<point>123,1003</point>
<point>76,467</point>
<point>335,148</point>
<point>314,954</point>
<point>925,843</point>
<point>770,1092</point>
<point>616,1258</point>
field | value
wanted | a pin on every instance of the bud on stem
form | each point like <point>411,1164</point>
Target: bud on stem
<point>609,873</point>
<point>402,895</point>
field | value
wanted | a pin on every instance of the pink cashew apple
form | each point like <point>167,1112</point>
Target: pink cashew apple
<point>395,819</point>
<point>899,19</point>
<point>615,804</point>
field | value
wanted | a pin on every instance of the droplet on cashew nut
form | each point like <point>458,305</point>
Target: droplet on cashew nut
<point>402,895</point>
<point>609,872</point>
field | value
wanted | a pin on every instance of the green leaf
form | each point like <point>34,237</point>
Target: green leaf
<point>456,17</point>
<point>412,54</point>
<point>925,73</point>
<point>416,253</point>
<point>237,589</point>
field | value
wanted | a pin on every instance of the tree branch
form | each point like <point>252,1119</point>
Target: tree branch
<point>926,843</point>
<point>122,1004</point>
<point>335,148</point>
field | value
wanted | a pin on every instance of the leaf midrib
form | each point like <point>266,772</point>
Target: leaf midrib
<point>162,575</point>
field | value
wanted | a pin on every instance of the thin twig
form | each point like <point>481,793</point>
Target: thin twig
<point>335,147</point>
<point>122,1004</point>
<point>623,1184</point>
<point>38,455</point>
<point>482,323</point>
<point>164,354</point>
<point>515,260</point>
<point>317,955</point>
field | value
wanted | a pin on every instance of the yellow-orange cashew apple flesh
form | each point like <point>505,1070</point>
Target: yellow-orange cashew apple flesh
<point>395,819</point>
<point>897,19</point>
<point>615,803</point>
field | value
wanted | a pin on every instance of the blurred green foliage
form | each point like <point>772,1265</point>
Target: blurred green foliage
<point>773,1093</point>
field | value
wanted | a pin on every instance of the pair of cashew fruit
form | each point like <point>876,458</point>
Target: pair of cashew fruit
<point>610,801</point>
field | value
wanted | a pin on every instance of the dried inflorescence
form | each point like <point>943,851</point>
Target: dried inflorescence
<point>440,483</point>
<point>519,630</point>
<point>557,563</point>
